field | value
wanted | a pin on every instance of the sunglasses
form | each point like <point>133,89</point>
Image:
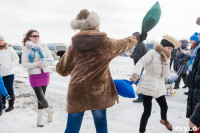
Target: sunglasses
<point>35,36</point>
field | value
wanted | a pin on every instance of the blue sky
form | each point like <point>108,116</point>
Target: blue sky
<point>118,18</point>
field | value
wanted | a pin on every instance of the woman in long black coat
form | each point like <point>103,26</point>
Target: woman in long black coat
<point>194,92</point>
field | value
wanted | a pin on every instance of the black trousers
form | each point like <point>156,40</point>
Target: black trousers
<point>183,76</point>
<point>147,103</point>
<point>40,93</point>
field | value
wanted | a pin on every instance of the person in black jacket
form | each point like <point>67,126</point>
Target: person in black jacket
<point>195,118</point>
<point>179,62</point>
<point>139,51</point>
<point>173,56</point>
<point>194,91</point>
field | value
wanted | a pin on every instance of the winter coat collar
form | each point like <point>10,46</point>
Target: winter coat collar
<point>159,48</point>
<point>5,45</point>
<point>88,39</point>
<point>30,44</point>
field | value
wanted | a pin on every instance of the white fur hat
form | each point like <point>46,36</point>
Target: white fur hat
<point>85,20</point>
<point>1,37</point>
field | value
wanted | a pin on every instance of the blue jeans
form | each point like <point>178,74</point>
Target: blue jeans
<point>74,121</point>
<point>8,82</point>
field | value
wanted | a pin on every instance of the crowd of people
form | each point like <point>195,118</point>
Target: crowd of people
<point>91,85</point>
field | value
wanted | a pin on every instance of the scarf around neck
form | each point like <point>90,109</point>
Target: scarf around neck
<point>34,47</point>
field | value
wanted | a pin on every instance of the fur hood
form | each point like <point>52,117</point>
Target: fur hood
<point>88,39</point>
<point>91,22</point>
<point>159,48</point>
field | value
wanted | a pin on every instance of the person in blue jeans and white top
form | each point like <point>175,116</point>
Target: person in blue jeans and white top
<point>3,92</point>
<point>8,59</point>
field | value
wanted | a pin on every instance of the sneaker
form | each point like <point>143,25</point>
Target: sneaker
<point>137,101</point>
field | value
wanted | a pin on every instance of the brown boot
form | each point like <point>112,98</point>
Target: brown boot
<point>167,124</point>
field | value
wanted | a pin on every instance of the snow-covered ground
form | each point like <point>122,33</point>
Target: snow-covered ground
<point>122,118</point>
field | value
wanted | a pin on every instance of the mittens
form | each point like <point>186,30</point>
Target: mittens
<point>134,77</point>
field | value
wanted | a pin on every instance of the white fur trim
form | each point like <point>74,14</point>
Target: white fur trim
<point>91,22</point>
<point>1,37</point>
<point>172,40</point>
<point>30,44</point>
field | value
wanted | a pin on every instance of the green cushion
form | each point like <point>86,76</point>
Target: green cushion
<point>151,18</point>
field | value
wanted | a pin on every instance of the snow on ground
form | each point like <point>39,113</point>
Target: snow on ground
<point>122,118</point>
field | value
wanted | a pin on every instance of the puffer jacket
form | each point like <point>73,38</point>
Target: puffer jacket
<point>8,59</point>
<point>152,82</point>
<point>35,67</point>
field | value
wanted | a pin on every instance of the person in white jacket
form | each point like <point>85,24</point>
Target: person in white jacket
<point>156,65</point>
<point>8,59</point>
<point>36,57</point>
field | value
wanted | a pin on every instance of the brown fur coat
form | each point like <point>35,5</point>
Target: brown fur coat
<point>87,60</point>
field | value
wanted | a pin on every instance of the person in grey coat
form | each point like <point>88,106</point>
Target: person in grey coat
<point>180,60</point>
<point>139,51</point>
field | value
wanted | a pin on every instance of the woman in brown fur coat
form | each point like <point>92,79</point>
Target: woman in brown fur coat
<point>87,60</point>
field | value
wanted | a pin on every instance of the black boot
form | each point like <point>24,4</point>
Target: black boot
<point>11,104</point>
<point>4,102</point>
<point>186,93</point>
<point>137,101</point>
<point>176,87</point>
<point>185,86</point>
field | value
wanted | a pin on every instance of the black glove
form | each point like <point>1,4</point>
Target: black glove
<point>142,37</point>
<point>60,53</point>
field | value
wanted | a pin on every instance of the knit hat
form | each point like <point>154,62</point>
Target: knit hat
<point>169,41</point>
<point>136,34</point>
<point>85,20</point>
<point>195,37</point>
<point>1,37</point>
<point>198,21</point>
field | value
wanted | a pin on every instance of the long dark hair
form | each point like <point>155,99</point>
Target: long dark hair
<point>27,35</point>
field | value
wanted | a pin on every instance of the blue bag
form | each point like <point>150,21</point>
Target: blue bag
<point>124,88</point>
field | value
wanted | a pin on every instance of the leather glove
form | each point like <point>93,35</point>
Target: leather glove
<point>142,37</point>
<point>163,56</point>
<point>60,53</point>
<point>134,77</point>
